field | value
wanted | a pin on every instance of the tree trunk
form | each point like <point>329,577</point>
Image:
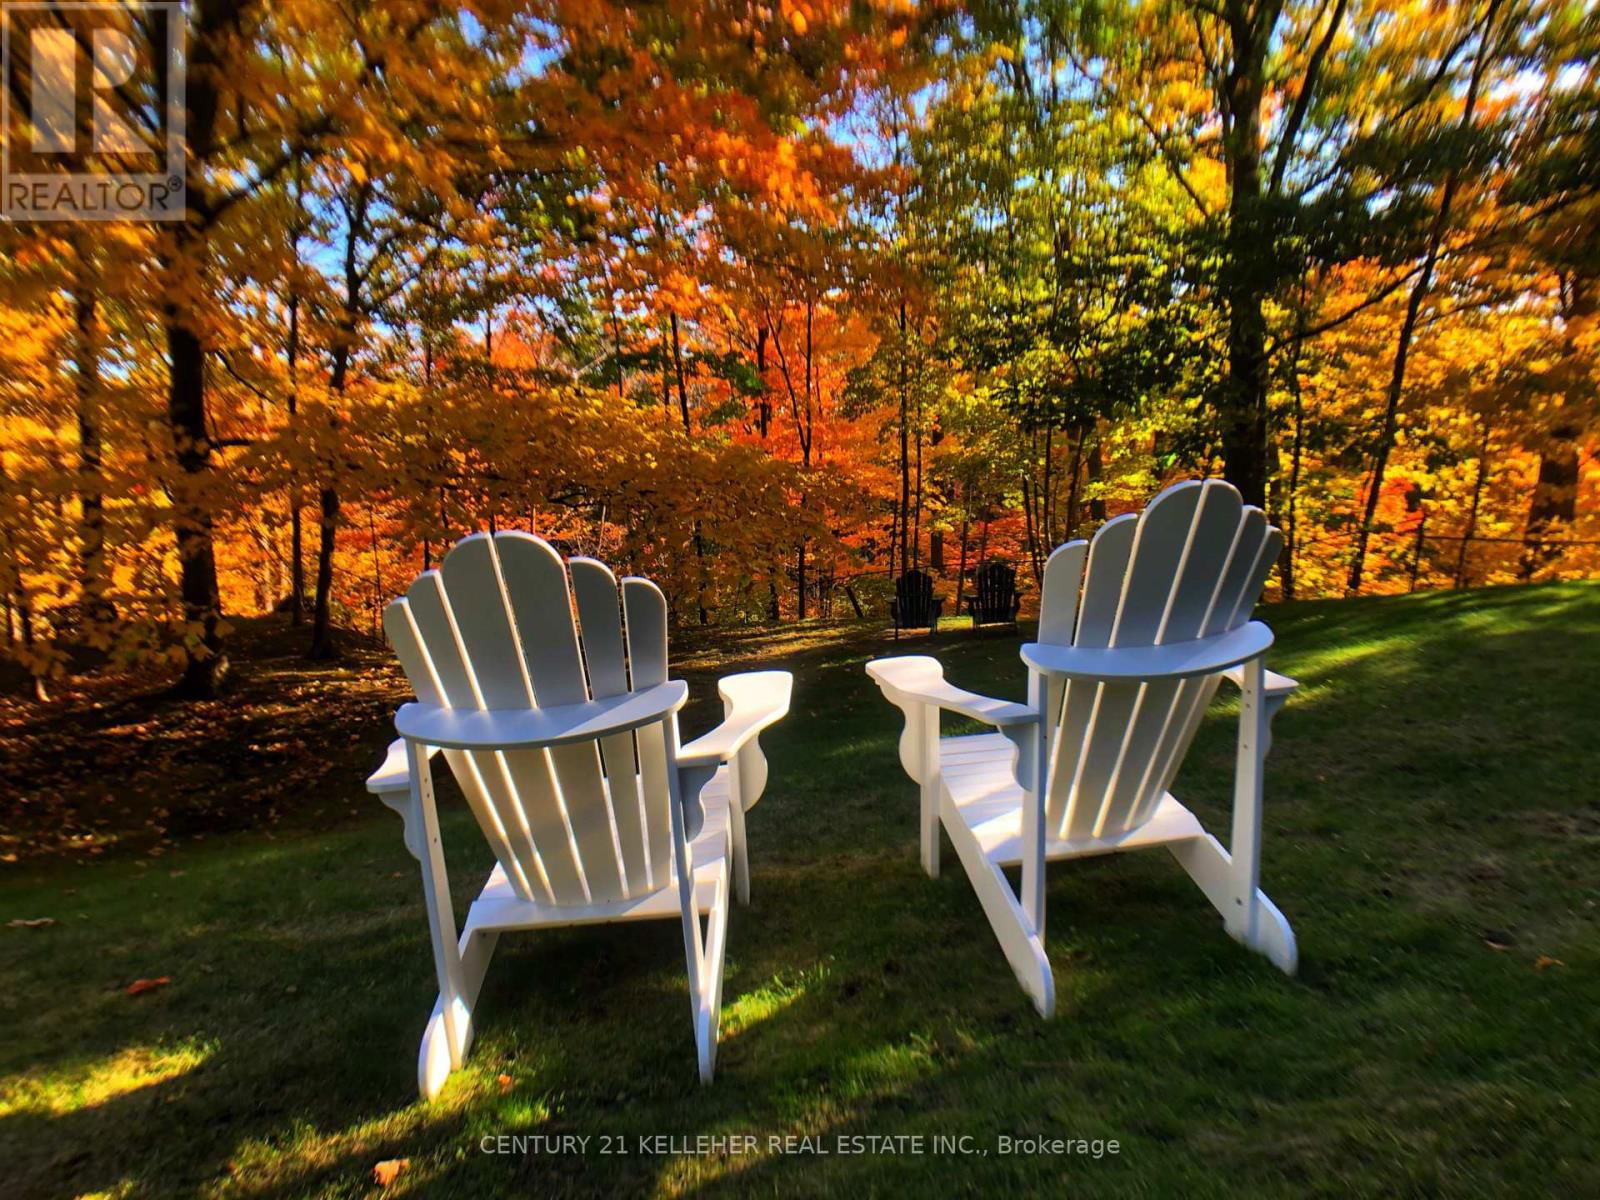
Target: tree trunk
<point>1555,493</point>
<point>1422,533</point>
<point>215,24</point>
<point>205,664</point>
<point>1472,510</point>
<point>916,522</point>
<point>1032,533</point>
<point>95,608</point>
<point>1043,495</point>
<point>1070,527</point>
<point>1291,533</point>
<point>297,557</point>
<point>764,400</point>
<point>961,569</point>
<point>905,452</point>
<point>1419,292</point>
<point>1094,470</point>
<point>1555,499</point>
<point>800,576</point>
<point>377,570</point>
<point>323,645</point>
<point>1243,409</point>
<point>699,537</point>
<point>677,365</point>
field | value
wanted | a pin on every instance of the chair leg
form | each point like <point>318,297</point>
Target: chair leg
<point>433,1059</point>
<point>1211,868</point>
<point>1250,916</point>
<point>708,1016</point>
<point>928,749</point>
<point>741,854</point>
<point>444,1043</point>
<point>702,954</point>
<point>704,958</point>
<point>1231,878</point>
<point>1244,847</point>
<point>1019,940</point>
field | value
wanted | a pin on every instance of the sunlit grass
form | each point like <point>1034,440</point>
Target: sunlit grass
<point>769,999</point>
<point>90,1084</point>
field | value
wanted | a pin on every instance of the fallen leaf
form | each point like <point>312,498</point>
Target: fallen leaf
<point>505,1082</point>
<point>388,1170</point>
<point>1544,960</point>
<point>31,922</point>
<point>140,986</point>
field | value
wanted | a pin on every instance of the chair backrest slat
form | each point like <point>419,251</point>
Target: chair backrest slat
<point>436,627</point>
<point>1104,575</point>
<point>644,611</point>
<point>644,616</point>
<point>483,622</point>
<point>1154,563</point>
<point>1063,576</point>
<point>1191,565</point>
<point>536,581</point>
<point>1103,579</point>
<point>1058,618</point>
<point>600,621</point>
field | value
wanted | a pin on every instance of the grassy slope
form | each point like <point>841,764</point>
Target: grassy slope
<point>1431,792</point>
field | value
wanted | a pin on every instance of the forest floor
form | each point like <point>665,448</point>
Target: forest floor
<point>1431,832</point>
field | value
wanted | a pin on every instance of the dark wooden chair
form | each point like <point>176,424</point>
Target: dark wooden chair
<point>914,605</point>
<point>995,600</point>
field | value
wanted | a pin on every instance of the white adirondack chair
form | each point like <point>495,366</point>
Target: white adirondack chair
<point>563,734</point>
<point>1118,681</point>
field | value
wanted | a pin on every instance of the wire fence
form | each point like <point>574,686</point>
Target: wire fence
<point>863,593</point>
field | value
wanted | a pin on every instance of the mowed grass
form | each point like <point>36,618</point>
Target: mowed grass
<point>1432,828</point>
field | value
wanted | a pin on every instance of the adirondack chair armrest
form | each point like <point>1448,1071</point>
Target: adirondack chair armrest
<point>1274,686</point>
<point>532,728</point>
<point>1136,664</point>
<point>918,679</point>
<point>751,701</point>
<point>394,775</point>
<point>391,783</point>
<point>914,683</point>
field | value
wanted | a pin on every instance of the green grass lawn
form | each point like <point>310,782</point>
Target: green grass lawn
<point>1432,827</point>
